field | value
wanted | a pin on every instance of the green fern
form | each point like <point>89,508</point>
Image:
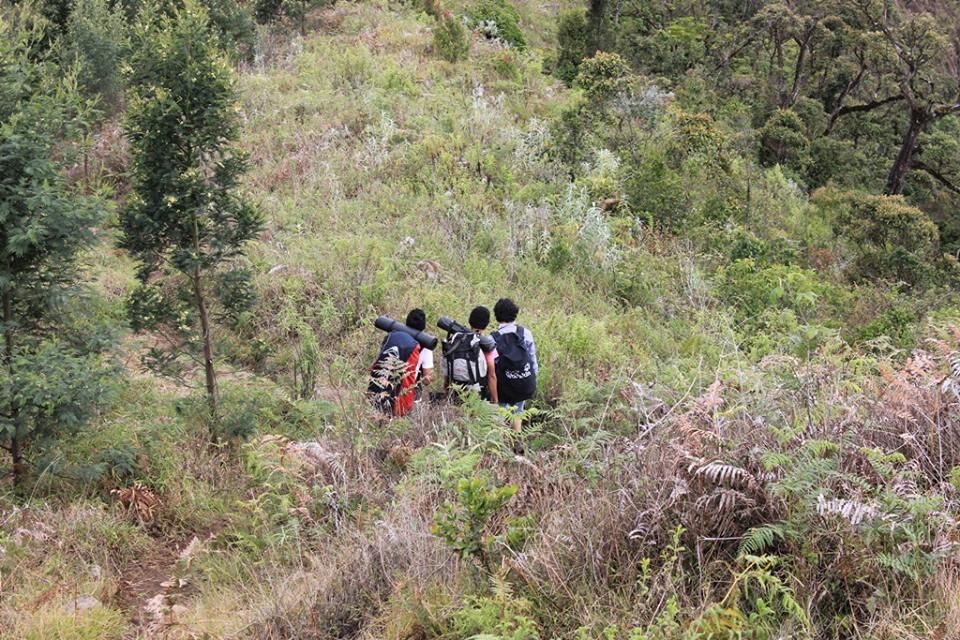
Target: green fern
<point>761,538</point>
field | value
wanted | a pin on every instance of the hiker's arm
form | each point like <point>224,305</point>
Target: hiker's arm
<point>492,377</point>
<point>427,376</point>
<point>533,352</point>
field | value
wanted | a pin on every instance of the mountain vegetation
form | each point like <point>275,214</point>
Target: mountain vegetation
<point>732,226</point>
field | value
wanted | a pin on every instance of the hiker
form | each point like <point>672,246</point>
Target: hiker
<point>401,367</point>
<point>417,319</point>
<point>466,363</point>
<point>516,364</point>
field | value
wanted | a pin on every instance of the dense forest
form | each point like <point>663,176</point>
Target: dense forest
<point>732,226</point>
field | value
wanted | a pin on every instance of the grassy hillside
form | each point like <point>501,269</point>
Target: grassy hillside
<point>727,442</point>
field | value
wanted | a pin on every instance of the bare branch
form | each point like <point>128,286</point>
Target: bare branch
<point>936,175</point>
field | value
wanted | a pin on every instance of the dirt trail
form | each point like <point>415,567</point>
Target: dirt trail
<point>150,588</point>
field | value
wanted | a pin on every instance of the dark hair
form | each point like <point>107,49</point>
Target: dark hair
<point>506,310</point>
<point>480,317</point>
<point>417,319</point>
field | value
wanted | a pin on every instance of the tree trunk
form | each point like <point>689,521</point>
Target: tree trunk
<point>595,12</point>
<point>16,452</point>
<point>208,369</point>
<point>898,172</point>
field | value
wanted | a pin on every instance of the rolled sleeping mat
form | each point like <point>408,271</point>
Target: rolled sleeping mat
<point>386,323</point>
<point>487,343</point>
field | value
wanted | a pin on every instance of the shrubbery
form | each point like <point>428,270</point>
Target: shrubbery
<point>602,76</point>
<point>450,39</point>
<point>96,40</point>
<point>886,237</point>
<point>783,140</point>
<point>499,20</point>
<point>572,37</point>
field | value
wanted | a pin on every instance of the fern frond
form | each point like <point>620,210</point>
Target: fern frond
<point>759,539</point>
<point>900,563</point>
<point>773,460</point>
<point>820,448</point>
<point>724,474</point>
<point>853,511</point>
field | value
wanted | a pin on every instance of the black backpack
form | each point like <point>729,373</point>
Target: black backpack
<point>516,380</point>
<point>463,362</point>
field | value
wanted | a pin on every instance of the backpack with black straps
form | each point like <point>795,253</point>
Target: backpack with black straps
<point>463,362</point>
<point>393,375</point>
<point>516,379</point>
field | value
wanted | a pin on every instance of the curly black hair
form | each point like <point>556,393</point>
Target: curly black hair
<point>417,319</point>
<point>506,310</point>
<point>480,318</point>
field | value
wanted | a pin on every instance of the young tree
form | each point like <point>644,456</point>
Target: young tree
<point>922,69</point>
<point>51,377</point>
<point>186,222</point>
<point>95,40</point>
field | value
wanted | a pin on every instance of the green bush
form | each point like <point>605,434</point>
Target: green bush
<point>696,134</point>
<point>450,39</point>
<point>783,140</point>
<point>504,64</point>
<point>502,615</point>
<point>677,47</point>
<point>572,40</point>
<point>656,191</point>
<point>602,76</point>
<point>267,10</point>
<point>96,41</point>
<point>896,323</point>
<point>235,24</point>
<point>463,525</point>
<point>498,19</point>
<point>886,237</point>
<point>753,288</point>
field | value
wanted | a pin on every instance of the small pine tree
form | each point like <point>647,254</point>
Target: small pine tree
<point>96,41</point>
<point>185,222</point>
<point>50,372</point>
<point>572,41</point>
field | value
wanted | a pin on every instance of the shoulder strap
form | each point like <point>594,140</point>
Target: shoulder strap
<point>520,331</point>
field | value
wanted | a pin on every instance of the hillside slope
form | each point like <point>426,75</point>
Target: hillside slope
<point>724,444</point>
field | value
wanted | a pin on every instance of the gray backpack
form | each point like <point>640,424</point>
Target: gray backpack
<point>463,361</point>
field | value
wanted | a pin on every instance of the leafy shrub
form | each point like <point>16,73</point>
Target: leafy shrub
<point>120,463</point>
<point>450,40</point>
<point>499,20</point>
<point>888,238</point>
<point>896,323</point>
<point>678,46</point>
<point>235,25</point>
<point>463,524</point>
<point>656,191</point>
<point>739,243</point>
<point>572,41</point>
<point>503,615</point>
<point>569,131</point>
<point>754,288</point>
<point>96,40</point>
<point>602,76</point>
<point>783,140</point>
<point>267,10</point>
<point>831,159</point>
<point>696,134</point>
<point>504,63</point>
<point>306,364</point>
<point>756,605</point>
